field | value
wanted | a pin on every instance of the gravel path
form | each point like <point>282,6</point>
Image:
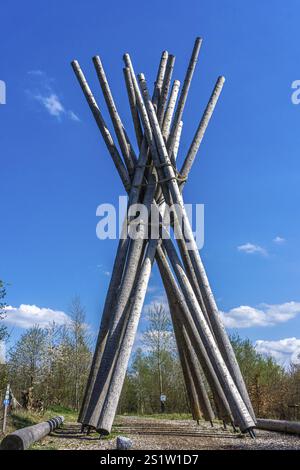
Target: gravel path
<point>161,434</point>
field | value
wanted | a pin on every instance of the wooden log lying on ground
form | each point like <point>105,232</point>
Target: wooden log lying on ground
<point>290,427</point>
<point>23,438</point>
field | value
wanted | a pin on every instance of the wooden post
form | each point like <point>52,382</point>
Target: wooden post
<point>133,107</point>
<point>170,109</point>
<point>194,147</point>
<point>197,394</point>
<point>184,93</point>
<point>198,311</point>
<point>23,438</point>
<point>123,139</point>
<point>188,323</point>
<point>165,88</point>
<point>120,366</point>
<point>108,338</point>
<point>161,157</point>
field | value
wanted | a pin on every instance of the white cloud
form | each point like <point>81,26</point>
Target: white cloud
<point>26,316</point>
<point>52,104</point>
<point>36,72</point>
<point>41,90</point>
<point>73,116</point>
<point>138,341</point>
<point>279,240</point>
<point>250,248</point>
<point>266,315</point>
<point>284,351</point>
<point>103,271</point>
<point>158,299</point>
<point>152,288</point>
<point>2,352</point>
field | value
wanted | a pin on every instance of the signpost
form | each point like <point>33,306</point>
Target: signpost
<point>6,402</point>
<point>162,402</point>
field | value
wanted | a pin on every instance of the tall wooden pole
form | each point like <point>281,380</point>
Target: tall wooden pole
<point>162,157</point>
<point>170,98</point>
<point>110,314</point>
<point>163,160</point>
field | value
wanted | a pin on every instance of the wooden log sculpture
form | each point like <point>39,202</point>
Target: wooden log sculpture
<point>150,176</point>
<point>23,438</point>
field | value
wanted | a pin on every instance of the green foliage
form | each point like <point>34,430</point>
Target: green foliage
<point>265,379</point>
<point>140,394</point>
<point>69,414</point>
<point>22,418</point>
<point>54,361</point>
<point>27,357</point>
<point>155,370</point>
<point>272,389</point>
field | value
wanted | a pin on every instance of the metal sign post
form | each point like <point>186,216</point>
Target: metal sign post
<point>163,403</point>
<point>6,405</point>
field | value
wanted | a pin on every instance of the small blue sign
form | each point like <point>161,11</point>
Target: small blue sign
<point>5,402</point>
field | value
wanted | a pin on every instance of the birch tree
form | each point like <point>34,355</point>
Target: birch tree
<point>159,339</point>
<point>80,355</point>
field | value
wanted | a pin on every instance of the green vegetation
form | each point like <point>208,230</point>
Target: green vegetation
<point>69,414</point>
<point>49,368</point>
<point>272,388</point>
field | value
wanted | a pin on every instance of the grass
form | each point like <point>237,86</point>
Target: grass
<point>69,414</point>
<point>22,418</point>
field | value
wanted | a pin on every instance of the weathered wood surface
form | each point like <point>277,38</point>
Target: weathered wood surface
<point>97,388</point>
<point>198,311</point>
<point>23,438</point>
<point>290,427</point>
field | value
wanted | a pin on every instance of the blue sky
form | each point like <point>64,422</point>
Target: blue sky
<point>55,169</point>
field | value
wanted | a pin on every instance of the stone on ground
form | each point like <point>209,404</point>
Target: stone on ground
<point>123,443</point>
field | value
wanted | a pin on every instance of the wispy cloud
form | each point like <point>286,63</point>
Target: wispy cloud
<point>73,116</point>
<point>250,248</point>
<point>279,240</point>
<point>152,288</point>
<point>25,316</point>
<point>158,299</point>
<point>52,104</point>
<point>284,351</point>
<point>265,315</point>
<point>42,90</point>
<point>103,270</point>
<point>36,73</point>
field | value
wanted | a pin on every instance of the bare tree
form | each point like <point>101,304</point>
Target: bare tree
<point>80,352</point>
<point>159,338</point>
<point>3,329</point>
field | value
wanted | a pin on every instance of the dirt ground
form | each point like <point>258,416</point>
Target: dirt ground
<point>164,434</point>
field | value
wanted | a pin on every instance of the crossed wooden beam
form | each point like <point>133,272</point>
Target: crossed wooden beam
<point>150,176</point>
